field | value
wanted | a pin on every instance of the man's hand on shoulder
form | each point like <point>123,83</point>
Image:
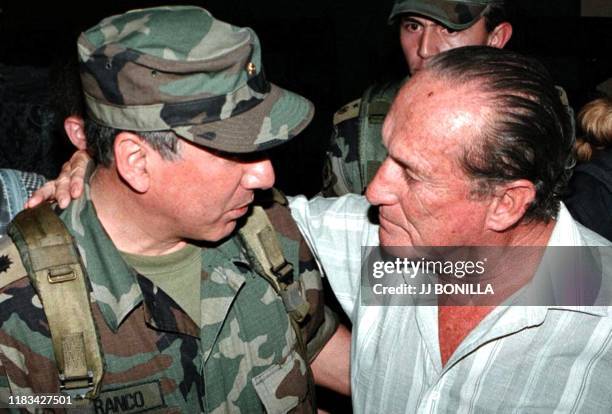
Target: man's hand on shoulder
<point>68,186</point>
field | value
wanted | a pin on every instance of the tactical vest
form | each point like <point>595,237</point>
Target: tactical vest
<point>356,149</point>
<point>263,250</point>
<point>51,261</point>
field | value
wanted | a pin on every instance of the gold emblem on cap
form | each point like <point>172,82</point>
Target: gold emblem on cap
<point>251,69</point>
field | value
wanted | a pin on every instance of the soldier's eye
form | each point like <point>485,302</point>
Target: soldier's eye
<point>449,31</point>
<point>411,27</point>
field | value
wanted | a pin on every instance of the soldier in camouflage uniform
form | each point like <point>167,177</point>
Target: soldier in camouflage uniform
<point>178,112</point>
<point>426,28</point>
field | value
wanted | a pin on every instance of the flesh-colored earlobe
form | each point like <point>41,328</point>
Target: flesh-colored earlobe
<point>509,205</point>
<point>501,35</point>
<point>75,129</point>
<point>131,154</point>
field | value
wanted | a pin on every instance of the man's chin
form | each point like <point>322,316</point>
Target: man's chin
<point>388,239</point>
<point>218,234</point>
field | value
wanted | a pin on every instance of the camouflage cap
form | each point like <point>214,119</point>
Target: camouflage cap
<point>454,14</point>
<point>178,68</point>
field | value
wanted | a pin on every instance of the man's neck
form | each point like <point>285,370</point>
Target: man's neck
<point>532,234</point>
<point>536,233</point>
<point>508,273</point>
<point>130,223</point>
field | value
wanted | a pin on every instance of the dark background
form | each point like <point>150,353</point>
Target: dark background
<point>328,51</point>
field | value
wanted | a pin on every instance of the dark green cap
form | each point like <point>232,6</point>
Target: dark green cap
<point>454,14</point>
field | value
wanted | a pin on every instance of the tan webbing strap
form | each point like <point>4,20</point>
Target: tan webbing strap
<point>266,255</point>
<point>59,279</point>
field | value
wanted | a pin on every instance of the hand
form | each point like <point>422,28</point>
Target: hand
<point>68,186</point>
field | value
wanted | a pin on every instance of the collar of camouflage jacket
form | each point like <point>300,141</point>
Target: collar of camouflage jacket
<point>118,289</point>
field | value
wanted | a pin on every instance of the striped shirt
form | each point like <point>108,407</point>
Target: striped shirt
<point>15,189</point>
<point>518,359</point>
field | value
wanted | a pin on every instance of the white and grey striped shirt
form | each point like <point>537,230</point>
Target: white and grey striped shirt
<point>517,360</point>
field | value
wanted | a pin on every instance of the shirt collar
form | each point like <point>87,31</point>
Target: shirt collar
<point>116,287</point>
<point>567,233</point>
<point>113,283</point>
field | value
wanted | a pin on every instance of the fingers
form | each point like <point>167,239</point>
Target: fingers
<point>54,190</point>
<point>44,193</point>
<point>62,185</point>
<point>68,186</point>
<point>78,169</point>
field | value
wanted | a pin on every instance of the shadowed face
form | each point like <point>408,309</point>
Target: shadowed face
<point>422,39</point>
<point>205,193</point>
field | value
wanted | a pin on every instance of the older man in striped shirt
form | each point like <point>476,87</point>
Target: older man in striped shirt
<point>479,153</point>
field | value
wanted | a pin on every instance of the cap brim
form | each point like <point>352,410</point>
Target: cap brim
<point>276,120</point>
<point>454,15</point>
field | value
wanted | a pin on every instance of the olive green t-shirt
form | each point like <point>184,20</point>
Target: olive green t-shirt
<point>178,274</point>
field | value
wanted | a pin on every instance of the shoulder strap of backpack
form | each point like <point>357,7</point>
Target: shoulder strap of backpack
<point>54,267</point>
<point>266,256</point>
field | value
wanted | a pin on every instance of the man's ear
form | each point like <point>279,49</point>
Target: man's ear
<point>510,202</point>
<point>500,35</point>
<point>131,157</point>
<point>75,129</point>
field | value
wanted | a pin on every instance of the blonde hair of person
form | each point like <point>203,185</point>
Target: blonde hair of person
<point>595,118</point>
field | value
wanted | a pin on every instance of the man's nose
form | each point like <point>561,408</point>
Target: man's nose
<point>429,44</point>
<point>380,190</point>
<point>259,175</point>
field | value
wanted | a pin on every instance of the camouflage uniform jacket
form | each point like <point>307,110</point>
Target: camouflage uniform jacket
<point>243,357</point>
<point>355,149</point>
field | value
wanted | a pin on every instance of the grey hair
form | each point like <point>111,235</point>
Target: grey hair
<point>100,141</point>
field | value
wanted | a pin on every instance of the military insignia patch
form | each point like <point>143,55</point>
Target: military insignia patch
<point>5,263</point>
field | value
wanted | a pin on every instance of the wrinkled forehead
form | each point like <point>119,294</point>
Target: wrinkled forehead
<point>429,109</point>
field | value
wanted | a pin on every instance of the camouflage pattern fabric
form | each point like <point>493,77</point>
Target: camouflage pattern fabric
<point>355,150</point>
<point>454,14</point>
<point>242,358</point>
<point>178,68</point>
